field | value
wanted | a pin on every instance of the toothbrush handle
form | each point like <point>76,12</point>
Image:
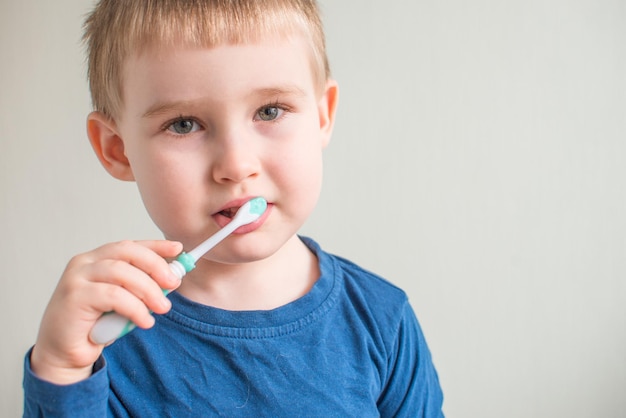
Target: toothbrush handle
<point>111,325</point>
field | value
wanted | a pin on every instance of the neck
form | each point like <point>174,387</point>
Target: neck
<point>261,285</point>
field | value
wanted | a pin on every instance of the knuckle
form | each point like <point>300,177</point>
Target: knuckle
<point>113,264</point>
<point>78,260</point>
<point>114,292</point>
<point>125,244</point>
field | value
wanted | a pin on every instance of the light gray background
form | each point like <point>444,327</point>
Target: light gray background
<point>477,162</point>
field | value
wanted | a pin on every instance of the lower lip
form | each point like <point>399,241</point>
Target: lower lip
<point>244,229</point>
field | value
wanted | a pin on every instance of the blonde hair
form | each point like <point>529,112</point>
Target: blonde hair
<point>118,28</point>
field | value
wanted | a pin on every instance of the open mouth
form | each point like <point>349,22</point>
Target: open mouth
<point>229,213</point>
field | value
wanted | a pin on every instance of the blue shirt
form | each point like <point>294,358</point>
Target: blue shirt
<point>351,347</point>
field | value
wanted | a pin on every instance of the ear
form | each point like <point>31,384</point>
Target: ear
<point>108,146</point>
<point>327,107</point>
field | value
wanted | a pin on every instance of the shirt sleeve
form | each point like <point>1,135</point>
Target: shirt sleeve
<point>87,398</point>
<point>412,387</point>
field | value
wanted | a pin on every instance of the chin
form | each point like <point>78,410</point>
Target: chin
<point>242,253</point>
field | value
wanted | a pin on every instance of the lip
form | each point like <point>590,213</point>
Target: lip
<point>222,220</point>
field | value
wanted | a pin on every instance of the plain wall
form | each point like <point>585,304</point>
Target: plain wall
<point>477,162</point>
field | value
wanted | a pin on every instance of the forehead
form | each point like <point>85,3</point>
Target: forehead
<point>219,74</point>
<point>268,58</point>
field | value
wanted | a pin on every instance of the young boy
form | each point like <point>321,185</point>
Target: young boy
<point>206,104</point>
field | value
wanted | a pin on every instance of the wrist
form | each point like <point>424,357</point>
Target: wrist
<point>48,370</point>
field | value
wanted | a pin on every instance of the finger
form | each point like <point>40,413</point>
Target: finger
<point>146,256</point>
<point>118,299</point>
<point>132,279</point>
<point>164,248</point>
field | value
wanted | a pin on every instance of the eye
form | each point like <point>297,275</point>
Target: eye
<point>269,113</point>
<point>183,126</point>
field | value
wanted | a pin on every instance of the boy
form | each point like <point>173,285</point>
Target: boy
<point>205,104</point>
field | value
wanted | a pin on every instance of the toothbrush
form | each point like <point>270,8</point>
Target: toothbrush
<point>112,325</point>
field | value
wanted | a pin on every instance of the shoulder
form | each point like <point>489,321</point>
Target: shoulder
<point>368,279</point>
<point>360,281</point>
<point>355,277</point>
<point>371,297</point>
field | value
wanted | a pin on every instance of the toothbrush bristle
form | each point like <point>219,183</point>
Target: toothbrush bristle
<point>258,206</point>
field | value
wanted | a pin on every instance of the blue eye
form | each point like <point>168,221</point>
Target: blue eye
<point>183,126</point>
<point>269,113</point>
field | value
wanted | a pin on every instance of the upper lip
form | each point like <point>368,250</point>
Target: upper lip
<point>235,203</point>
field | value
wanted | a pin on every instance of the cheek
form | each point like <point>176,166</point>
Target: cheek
<point>164,190</point>
<point>158,193</point>
<point>299,173</point>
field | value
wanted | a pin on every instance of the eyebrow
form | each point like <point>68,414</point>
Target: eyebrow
<point>290,90</point>
<point>165,107</point>
<point>160,108</point>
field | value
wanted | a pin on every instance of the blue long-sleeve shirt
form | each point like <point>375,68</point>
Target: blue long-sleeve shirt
<point>351,347</point>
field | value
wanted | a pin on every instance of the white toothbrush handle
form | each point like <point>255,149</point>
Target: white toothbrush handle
<point>112,325</point>
<point>109,327</point>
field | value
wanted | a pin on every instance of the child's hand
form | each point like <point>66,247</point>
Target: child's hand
<point>126,277</point>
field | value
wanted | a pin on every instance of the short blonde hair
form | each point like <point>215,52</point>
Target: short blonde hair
<point>117,29</point>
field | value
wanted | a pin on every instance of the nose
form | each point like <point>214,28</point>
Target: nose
<point>236,161</point>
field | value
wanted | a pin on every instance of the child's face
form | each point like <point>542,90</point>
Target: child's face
<point>204,130</point>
